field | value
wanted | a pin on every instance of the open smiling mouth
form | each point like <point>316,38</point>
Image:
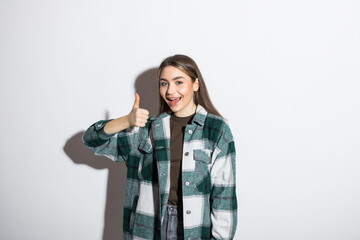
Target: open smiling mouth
<point>174,101</point>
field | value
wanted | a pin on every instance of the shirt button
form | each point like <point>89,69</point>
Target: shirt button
<point>188,212</point>
<point>187,183</point>
<point>187,154</point>
<point>190,131</point>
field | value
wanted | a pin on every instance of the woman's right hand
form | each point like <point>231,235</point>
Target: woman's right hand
<point>138,116</point>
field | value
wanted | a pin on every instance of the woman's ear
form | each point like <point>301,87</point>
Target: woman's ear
<point>196,85</point>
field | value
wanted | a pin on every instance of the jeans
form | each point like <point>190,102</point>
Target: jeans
<point>172,227</point>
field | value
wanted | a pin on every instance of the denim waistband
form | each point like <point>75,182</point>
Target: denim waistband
<point>174,209</point>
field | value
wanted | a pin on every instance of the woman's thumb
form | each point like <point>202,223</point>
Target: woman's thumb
<point>137,101</point>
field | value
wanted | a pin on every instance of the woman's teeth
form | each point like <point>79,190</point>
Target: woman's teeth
<point>174,101</point>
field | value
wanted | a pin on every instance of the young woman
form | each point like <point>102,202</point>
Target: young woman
<point>181,164</point>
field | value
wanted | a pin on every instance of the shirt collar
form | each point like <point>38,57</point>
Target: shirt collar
<point>200,115</point>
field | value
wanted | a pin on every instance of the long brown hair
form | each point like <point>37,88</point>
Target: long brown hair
<point>189,67</point>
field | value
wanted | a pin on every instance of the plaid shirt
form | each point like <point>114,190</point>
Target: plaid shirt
<point>208,175</point>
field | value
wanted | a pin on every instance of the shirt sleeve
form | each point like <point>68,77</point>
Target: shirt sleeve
<point>223,192</point>
<point>116,146</point>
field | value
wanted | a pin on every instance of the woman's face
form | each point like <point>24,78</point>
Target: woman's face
<point>177,89</point>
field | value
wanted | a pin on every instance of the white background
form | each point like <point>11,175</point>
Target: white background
<point>284,73</point>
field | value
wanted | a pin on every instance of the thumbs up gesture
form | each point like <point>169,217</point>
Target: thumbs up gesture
<point>138,116</point>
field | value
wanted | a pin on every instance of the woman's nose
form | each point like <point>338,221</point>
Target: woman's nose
<point>171,89</point>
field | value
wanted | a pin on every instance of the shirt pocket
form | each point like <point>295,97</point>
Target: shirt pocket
<point>202,158</point>
<point>147,167</point>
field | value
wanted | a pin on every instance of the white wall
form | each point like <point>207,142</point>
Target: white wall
<point>284,73</point>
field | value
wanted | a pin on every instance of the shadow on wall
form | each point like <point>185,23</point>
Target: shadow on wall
<point>147,87</point>
<point>79,154</point>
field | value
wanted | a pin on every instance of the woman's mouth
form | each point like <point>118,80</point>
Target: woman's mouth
<point>173,101</point>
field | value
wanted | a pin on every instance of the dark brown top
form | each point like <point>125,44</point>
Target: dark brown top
<point>177,126</point>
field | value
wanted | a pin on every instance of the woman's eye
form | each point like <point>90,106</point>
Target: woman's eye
<point>178,82</point>
<point>163,83</point>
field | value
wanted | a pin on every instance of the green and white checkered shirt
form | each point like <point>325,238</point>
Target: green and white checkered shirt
<point>208,175</point>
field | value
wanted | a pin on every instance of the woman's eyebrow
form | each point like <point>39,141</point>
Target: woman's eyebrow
<point>175,78</point>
